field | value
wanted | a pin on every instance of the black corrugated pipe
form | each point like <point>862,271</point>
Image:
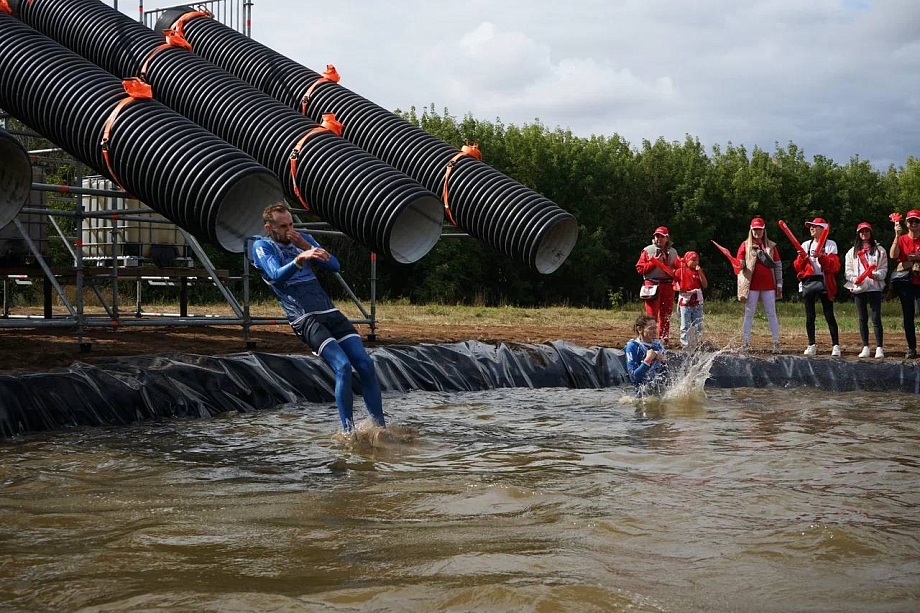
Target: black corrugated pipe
<point>187,174</point>
<point>15,177</point>
<point>481,201</point>
<point>355,192</point>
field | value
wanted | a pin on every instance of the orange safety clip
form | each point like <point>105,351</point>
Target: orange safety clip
<point>137,89</point>
<point>176,39</point>
<point>472,150</point>
<point>332,124</point>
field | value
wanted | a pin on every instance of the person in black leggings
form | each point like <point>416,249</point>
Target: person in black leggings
<point>906,250</point>
<point>866,268</point>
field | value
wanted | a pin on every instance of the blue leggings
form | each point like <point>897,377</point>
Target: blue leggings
<point>342,356</point>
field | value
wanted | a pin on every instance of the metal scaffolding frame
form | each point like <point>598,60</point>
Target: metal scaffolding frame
<point>236,14</point>
<point>91,277</point>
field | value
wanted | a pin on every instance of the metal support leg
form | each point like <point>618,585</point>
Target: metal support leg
<point>372,335</point>
<point>183,297</point>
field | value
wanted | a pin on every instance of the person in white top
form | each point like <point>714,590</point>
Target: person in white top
<point>817,271</point>
<point>866,268</point>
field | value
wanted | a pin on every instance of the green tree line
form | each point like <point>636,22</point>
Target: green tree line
<point>619,193</point>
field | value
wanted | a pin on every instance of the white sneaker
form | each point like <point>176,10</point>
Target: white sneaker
<point>810,350</point>
<point>864,353</point>
<point>879,352</point>
<point>836,351</point>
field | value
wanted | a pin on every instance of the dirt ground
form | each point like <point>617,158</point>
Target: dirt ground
<point>43,350</point>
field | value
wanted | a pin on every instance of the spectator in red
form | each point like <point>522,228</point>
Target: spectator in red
<point>760,280</point>
<point>656,265</point>
<point>906,282</point>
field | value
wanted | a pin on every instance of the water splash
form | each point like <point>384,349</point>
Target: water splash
<point>367,436</point>
<point>688,379</point>
<point>683,390</point>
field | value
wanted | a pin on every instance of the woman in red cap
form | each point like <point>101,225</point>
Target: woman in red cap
<point>656,265</point>
<point>866,266</point>
<point>760,280</point>
<point>817,267</point>
<point>906,250</point>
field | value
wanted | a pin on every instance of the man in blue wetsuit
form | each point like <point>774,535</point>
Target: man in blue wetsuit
<point>284,259</point>
<point>645,359</point>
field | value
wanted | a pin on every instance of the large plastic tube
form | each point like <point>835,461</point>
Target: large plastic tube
<point>356,193</point>
<point>15,177</point>
<point>535,231</point>
<point>185,173</point>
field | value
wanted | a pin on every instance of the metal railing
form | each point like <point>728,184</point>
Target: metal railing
<point>236,14</point>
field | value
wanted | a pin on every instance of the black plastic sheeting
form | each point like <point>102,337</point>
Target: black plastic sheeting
<point>128,390</point>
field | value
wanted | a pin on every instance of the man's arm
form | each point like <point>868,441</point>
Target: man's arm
<point>265,258</point>
<point>313,252</point>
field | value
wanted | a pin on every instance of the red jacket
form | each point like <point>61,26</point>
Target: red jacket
<point>830,265</point>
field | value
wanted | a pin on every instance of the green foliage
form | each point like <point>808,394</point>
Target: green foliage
<point>620,193</point>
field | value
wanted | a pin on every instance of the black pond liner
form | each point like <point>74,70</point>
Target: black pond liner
<point>387,136</point>
<point>180,170</point>
<point>15,177</point>
<point>259,125</point>
<point>129,390</point>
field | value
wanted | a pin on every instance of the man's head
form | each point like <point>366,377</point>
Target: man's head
<point>278,222</point>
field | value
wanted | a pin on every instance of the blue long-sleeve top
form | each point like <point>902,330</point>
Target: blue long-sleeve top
<point>297,289</point>
<point>275,262</point>
<point>640,372</point>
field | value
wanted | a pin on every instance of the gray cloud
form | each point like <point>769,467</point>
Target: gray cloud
<point>839,78</point>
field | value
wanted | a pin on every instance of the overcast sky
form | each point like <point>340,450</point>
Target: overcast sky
<point>838,78</point>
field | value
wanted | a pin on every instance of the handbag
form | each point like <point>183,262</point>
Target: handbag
<point>648,291</point>
<point>900,276</point>
<point>813,285</point>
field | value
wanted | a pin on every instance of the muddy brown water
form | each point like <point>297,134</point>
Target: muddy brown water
<point>503,500</point>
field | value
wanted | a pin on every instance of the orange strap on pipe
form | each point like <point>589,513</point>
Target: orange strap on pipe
<point>136,90</point>
<point>330,75</point>
<point>179,26</point>
<point>330,124</point>
<point>173,39</point>
<point>467,150</point>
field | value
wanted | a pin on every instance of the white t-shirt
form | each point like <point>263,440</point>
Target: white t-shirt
<point>810,246</point>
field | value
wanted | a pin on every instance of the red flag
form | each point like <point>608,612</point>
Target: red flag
<point>736,263</point>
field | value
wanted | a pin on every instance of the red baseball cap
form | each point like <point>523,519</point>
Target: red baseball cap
<point>865,225</point>
<point>819,221</point>
<point>664,231</point>
<point>691,255</point>
<point>912,214</point>
<point>758,222</point>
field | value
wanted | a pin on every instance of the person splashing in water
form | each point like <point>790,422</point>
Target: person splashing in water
<point>646,362</point>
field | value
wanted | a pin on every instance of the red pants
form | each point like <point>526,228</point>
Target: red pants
<point>661,308</point>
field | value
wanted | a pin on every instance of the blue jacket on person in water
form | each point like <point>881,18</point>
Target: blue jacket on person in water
<point>641,373</point>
